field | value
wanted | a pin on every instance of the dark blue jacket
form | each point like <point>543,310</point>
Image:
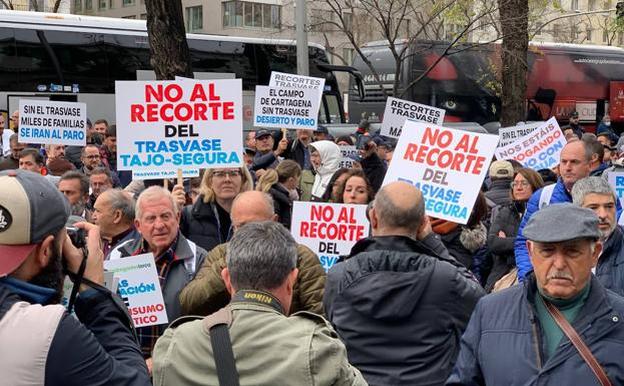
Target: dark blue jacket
<point>610,269</point>
<point>400,306</point>
<point>503,344</point>
<point>559,194</point>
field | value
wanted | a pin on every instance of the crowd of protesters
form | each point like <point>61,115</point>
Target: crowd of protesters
<point>422,301</point>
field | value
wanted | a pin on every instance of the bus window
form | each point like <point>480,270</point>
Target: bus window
<point>10,64</point>
<point>126,54</point>
<point>329,107</point>
<point>225,57</point>
<point>63,58</point>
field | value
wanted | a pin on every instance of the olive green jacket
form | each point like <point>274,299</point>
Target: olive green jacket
<point>269,349</point>
<point>206,293</point>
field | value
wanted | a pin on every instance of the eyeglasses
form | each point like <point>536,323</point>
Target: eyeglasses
<point>518,184</point>
<point>229,173</point>
<point>92,156</point>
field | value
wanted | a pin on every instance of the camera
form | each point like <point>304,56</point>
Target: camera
<point>77,236</point>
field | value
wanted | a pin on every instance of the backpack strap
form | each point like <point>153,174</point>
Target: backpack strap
<point>546,195</point>
<point>217,325</point>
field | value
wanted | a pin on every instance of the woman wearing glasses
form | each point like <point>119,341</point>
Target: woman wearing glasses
<point>207,222</point>
<point>505,222</point>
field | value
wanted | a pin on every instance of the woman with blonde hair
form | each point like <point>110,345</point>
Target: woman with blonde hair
<point>207,222</point>
<point>281,183</point>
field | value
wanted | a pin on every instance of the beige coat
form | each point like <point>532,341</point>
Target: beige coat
<point>269,349</point>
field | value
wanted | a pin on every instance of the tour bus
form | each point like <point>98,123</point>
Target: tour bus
<point>466,82</point>
<point>79,58</point>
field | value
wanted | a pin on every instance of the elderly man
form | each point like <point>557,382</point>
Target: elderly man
<point>177,259</point>
<point>75,186</point>
<point>12,161</point>
<point>298,150</point>
<point>575,163</point>
<point>400,302</point>
<point>596,194</point>
<point>207,293</point>
<point>252,341</point>
<point>113,212</point>
<point>520,336</point>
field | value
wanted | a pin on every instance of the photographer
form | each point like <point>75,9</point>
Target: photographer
<point>373,166</point>
<point>39,342</point>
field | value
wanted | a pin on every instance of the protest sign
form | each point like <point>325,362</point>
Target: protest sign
<point>398,111</point>
<point>286,108</point>
<point>160,174</point>
<point>540,149</point>
<point>447,165</point>
<point>297,82</point>
<point>139,288</point>
<point>179,125</point>
<point>510,134</point>
<point>330,230</point>
<point>47,122</point>
<point>616,180</point>
<point>346,151</point>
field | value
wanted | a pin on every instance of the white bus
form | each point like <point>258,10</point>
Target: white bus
<point>79,58</point>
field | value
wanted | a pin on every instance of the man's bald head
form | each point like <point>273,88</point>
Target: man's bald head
<point>252,206</point>
<point>398,209</point>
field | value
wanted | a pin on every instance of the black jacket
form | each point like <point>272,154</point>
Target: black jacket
<point>97,347</point>
<point>400,309</point>
<point>499,191</point>
<point>200,224</point>
<point>507,219</point>
<point>282,203</point>
<point>295,152</point>
<point>610,268</point>
<point>375,170</point>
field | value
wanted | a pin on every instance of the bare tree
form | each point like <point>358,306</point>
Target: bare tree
<point>169,50</point>
<point>400,23</point>
<point>34,5</point>
<point>515,46</point>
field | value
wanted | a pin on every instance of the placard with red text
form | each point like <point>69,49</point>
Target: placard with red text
<point>447,165</point>
<point>167,125</point>
<point>330,230</point>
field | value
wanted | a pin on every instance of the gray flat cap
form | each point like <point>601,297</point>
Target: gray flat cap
<point>562,222</point>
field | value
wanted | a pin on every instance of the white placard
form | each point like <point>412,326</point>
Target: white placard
<point>347,151</point>
<point>286,108</point>
<point>139,288</point>
<point>540,149</point>
<point>47,122</point>
<point>172,125</point>
<point>447,165</point>
<point>297,82</point>
<point>330,230</point>
<point>510,134</point>
<point>161,174</point>
<point>398,111</point>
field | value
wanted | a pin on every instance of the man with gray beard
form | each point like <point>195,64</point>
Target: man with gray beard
<point>596,194</point>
